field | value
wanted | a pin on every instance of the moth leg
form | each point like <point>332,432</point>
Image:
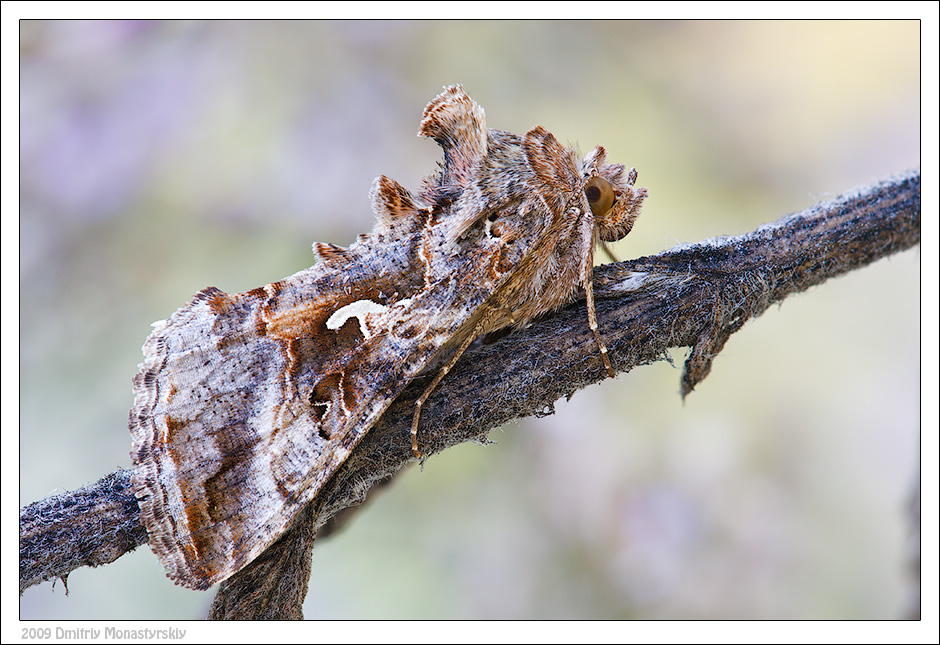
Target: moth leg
<point>592,323</point>
<point>587,279</point>
<point>437,379</point>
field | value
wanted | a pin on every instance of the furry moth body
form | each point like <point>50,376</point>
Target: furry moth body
<point>246,404</point>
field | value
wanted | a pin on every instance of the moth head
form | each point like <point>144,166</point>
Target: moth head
<point>611,195</point>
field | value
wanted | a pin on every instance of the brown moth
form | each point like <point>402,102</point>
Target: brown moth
<point>246,404</point>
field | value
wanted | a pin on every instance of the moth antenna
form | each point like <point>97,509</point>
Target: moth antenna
<point>458,124</point>
<point>394,206</point>
<point>326,252</point>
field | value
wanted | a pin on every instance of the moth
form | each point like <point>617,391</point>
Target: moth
<point>246,404</point>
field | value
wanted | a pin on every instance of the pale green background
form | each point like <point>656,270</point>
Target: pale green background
<point>161,158</point>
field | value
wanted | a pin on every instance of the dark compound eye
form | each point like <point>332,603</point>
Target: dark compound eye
<point>600,195</point>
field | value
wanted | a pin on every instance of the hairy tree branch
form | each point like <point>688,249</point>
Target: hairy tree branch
<point>692,296</point>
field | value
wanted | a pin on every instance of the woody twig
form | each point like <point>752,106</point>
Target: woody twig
<point>693,296</point>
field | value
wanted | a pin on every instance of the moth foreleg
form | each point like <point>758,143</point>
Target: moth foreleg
<point>592,323</point>
<point>437,379</point>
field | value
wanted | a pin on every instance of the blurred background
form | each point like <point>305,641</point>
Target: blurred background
<point>158,158</point>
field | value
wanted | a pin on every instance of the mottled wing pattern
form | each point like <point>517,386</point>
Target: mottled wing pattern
<point>246,404</point>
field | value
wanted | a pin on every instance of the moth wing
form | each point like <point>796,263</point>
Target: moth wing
<point>209,403</point>
<point>246,404</point>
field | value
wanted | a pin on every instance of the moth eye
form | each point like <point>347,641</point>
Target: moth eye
<point>600,195</point>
